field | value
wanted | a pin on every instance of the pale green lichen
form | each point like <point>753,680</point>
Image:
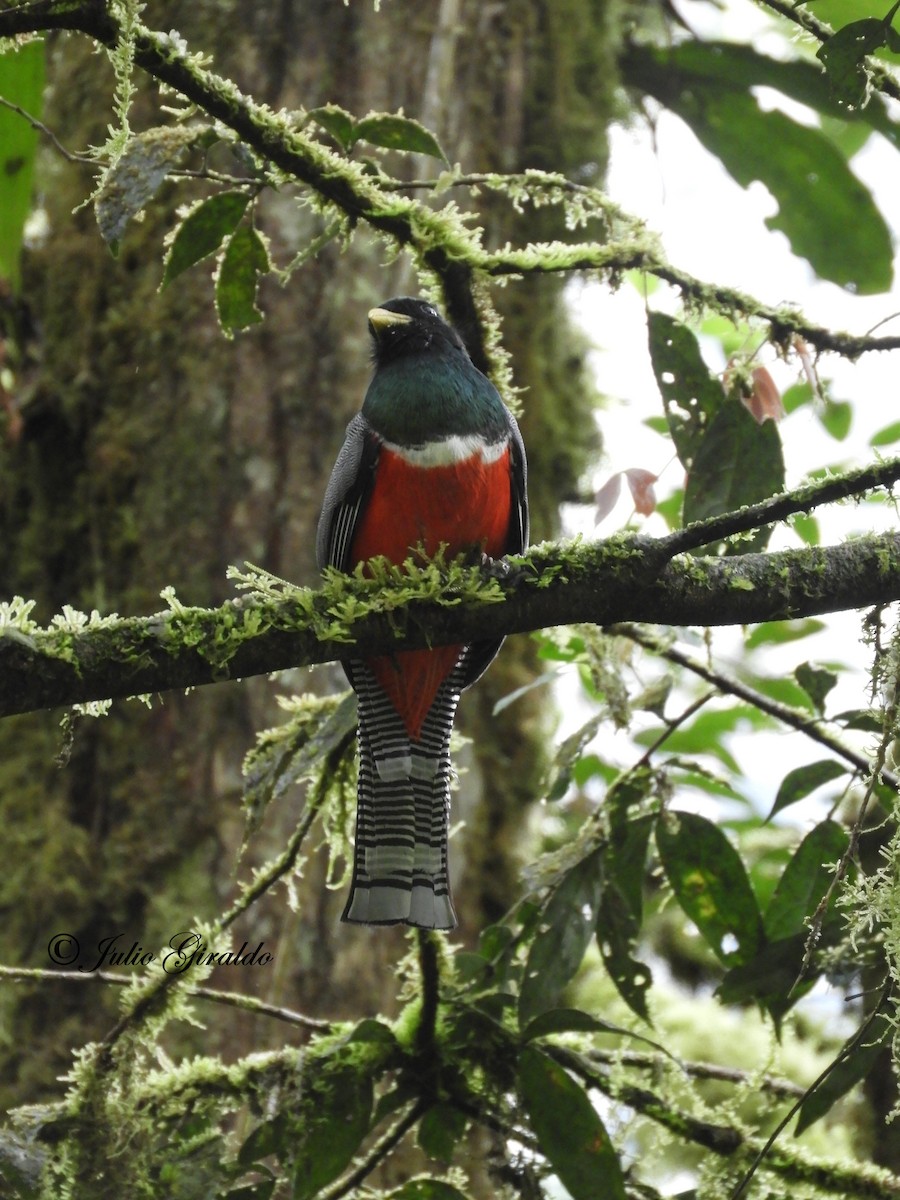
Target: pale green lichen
<point>15,615</point>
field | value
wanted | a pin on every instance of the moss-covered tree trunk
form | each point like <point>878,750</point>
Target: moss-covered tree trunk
<point>152,452</point>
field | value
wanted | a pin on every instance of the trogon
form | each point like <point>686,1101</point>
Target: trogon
<point>433,459</point>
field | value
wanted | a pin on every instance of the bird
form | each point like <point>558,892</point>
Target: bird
<point>433,460</point>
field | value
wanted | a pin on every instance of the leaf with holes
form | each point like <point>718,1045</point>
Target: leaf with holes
<point>691,396</point>
<point>622,903</point>
<point>737,463</point>
<point>843,57</point>
<point>564,930</point>
<point>711,884</point>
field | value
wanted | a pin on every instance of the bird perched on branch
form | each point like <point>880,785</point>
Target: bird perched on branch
<point>433,459</point>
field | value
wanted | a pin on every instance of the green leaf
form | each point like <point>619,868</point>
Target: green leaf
<point>769,978</point>
<point>245,259</point>
<point>842,57</point>
<point>703,65</point>
<point>776,633</point>
<point>573,1020</point>
<point>861,718</point>
<point>887,435</point>
<point>568,1129</point>
<point>427,1189</point>
<point>621,905</point>
<point>827,214</point>
<point>203,231</point>
<point>836,417</point>
<point>817,682</point>
<point>705,734</point>
<point>395,132</point>
<point>710,883</point>
<point>441,1131</point>
<point>807,528</point>
<point>568,1020</point>
<point>852,1069</point>
<point>738,462</point>
<point>568,754</point>
<point>805,880</point>
<point>22,83</point>
<point>691,396</point>
<point>268,1138</point>
<point>336,121</point>
<point>337,1119</point>
<point>800,781</point>
<point>564,929</point>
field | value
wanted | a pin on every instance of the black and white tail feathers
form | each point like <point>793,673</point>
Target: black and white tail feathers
<point>402,821</point>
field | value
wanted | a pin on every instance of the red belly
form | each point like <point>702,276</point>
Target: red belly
<point>465,506</point>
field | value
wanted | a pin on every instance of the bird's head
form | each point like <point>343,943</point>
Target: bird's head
<point>407,326</point>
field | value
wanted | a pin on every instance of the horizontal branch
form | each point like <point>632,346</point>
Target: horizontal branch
<point>627,578</point>
<point>242,1000</point>
<point>440,240</point>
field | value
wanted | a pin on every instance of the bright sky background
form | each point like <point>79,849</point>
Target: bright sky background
<point>715,229</point>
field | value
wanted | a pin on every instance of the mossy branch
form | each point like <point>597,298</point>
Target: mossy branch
<point>730,1141</point>
<point>627,578</point>
<point>440,239</point>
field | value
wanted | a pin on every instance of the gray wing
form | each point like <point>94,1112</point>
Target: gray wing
<point>348,489</point>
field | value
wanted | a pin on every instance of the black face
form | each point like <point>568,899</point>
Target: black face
<point>423,330</point>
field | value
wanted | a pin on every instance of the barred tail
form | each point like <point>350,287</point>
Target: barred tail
<point>403,811</point>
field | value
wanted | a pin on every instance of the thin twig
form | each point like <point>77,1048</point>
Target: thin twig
<point>40,127</point>
<point>233,999</point>
<point>816,1083</point>
<point>643,1060</point>
<point>784,713</point>
<point>671,726</point>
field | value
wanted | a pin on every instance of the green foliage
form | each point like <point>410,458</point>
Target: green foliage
<point>22,84</point>
<point>827,214</point>
<point>843,55</point>
<point>568,1128</point>
<point>203,230</point>
<point>652,848</point>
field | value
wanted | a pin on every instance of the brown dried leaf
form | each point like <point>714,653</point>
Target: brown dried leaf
<point>764,402</point>
<point>642,491</point>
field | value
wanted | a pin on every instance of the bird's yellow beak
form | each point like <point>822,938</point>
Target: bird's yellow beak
<point>383,318</point>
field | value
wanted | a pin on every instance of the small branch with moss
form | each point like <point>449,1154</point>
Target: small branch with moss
<point>843,1179</point>
<point>628,577</point>
<point>795,718</point>
<point>440,240</point>
<point>251,1004</point>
